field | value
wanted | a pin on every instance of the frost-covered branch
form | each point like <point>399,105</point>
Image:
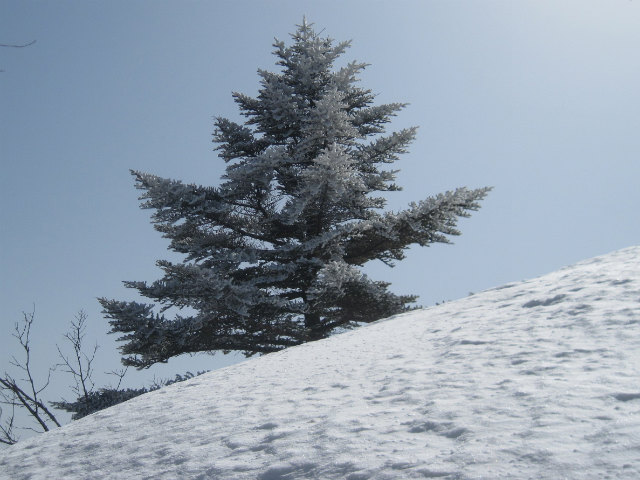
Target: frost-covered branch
<point>429,221</point>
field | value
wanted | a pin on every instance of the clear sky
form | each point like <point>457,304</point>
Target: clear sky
<point>539,99</point>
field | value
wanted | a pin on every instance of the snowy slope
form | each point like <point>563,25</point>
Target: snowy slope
<point>538,379</point>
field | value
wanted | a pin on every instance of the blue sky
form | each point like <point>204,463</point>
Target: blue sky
<point>538,99</point>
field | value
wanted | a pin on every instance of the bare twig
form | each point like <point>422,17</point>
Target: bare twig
<point>31,403</point>
<point>81,366</point>
<point>120,374</point>
<point>11,45</point>
<point>16,395</point>
<point>6,429</point>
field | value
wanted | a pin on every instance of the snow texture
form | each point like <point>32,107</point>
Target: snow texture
<point>537,379</point>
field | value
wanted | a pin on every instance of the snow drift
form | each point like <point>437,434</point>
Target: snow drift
<point>537,379</point>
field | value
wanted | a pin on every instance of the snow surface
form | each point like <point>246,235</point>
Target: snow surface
<point>538,379</point>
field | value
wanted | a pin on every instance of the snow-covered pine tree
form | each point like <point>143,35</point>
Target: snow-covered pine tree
<point>273,255</point>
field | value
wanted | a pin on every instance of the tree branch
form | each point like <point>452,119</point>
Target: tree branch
<point>81,367</point>
<point>8,438</point>
<point>11,45</point>
<point>18,396</point>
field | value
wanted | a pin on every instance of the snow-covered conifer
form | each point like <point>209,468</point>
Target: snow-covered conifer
<point>273,255</point>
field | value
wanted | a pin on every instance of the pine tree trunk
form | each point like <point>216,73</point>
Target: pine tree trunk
<point>312,322</point>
